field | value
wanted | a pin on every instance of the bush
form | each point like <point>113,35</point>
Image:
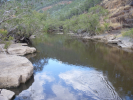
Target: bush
<point>19,20</point>
<point>77,7</point>
<point>89,22</point>
<point>128,33</point>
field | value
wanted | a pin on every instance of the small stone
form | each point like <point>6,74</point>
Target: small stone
<point>70,33</point>
<point>79,31</point>
<point>7,93</point>
<point>3,97</point>
<point>60,33</point>
<point>100,37</point>
<point>32,37</point>
<point>114,41</point>
<point>87,37</point>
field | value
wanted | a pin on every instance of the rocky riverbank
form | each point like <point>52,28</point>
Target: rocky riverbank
<point>14,69</point>
<point>114,38</point>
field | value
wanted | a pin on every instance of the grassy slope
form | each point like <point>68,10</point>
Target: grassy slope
<point>76,15</point>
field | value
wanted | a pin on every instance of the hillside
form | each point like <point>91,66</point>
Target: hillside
<point>121,12</point>
<point>93,17</point>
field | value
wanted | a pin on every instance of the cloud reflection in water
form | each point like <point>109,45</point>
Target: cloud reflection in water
<point>92,83</point>
<point>75,84</point>
<point>35,92</point>
<point>62,93</point>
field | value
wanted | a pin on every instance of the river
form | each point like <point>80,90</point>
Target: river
<point>67,68</point>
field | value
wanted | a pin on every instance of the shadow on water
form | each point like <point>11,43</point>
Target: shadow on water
<point>84,70</point>
<point>23,86</point>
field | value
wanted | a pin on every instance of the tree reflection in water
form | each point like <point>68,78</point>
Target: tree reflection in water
<point>38,61</point>
<point>114,63</point>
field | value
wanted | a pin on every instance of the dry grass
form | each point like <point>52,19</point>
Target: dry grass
<point>114,24</point>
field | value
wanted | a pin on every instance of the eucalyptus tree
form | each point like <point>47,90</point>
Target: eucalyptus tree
<point>18,20</point>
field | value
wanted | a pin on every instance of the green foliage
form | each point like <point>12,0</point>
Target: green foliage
<point>24,20</point>
<point>87,21</point>
<point>7,44</point>
<point>44,3</point>
<point>100,11</point>
<point>51,24</point>
<point>77,7</point>
<point>128,33</point>
<point>3,32</point>
<point>18,19</point>
<point>106,26</point>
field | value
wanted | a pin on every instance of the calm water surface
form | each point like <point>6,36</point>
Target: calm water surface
<point>71,69</point>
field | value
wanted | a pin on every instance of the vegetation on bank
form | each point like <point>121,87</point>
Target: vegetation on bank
<point>128,33</point>
<point>76,7</point>
<point>87,22</point>
<point>19,19</point>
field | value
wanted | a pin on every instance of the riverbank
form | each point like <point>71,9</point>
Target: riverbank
<point>114,38</point>
<point>15,69</point>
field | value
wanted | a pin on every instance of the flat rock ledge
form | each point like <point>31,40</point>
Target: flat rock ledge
<point>6,94</point>
<point>14,70</point>
<point>20,49</point>
<point>126,43</point>
<point>123,42</point>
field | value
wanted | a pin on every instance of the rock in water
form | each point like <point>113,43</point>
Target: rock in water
<point>6,94</point>
<point>14,70</point>
<point>3,97</point>
<point>32,37</point>
<point>20,49</point>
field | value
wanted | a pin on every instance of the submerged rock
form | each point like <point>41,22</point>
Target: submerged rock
<point>14,70</point>
<point>6,94</point>
<point>20,49</point>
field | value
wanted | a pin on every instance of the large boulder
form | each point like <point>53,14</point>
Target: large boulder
<point>14,70</point>
<point>20,49</point>
<point>6,94</point>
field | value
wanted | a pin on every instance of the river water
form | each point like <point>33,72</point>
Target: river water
<point>67,68</point>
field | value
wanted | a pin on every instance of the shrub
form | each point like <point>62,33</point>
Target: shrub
<point>19,20</point>
<point>128,33</point>
<point>89,22</point>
